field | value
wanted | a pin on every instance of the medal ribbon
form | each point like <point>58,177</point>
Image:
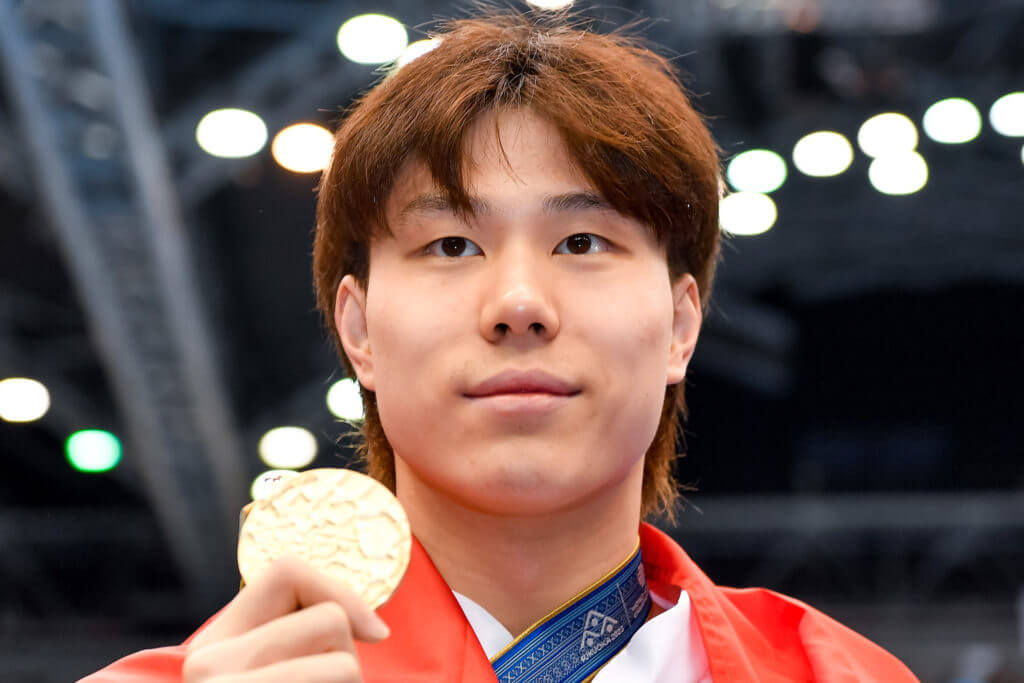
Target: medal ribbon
<point>574,641</point>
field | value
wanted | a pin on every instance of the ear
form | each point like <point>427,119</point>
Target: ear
<point>350,319</point>
<point>686,322</point>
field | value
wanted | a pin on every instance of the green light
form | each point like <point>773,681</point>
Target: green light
<point>93,450</point>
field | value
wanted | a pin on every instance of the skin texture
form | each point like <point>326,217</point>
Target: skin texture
<point>519,510</point>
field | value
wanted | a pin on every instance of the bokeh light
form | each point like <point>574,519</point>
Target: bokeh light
<point>822,154</point>
<point>952,121</point>
<point>549,4</point>
<point>756,170</point>
<point>344,401</point>
<point>417,49</point>
<point>372,39</point>
<point>898,174</point>
<point>287,448</point>
<point>265,484</point>
<point>747,213</point>
<point>1007,115</point>
<point>888,133</point>
<point>303,148</point>
<point>93,450</point>
<point>231,133</point>
<point>23,399</point>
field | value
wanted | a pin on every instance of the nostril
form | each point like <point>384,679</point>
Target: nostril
<point>502,328</point>
<point>537,327</point>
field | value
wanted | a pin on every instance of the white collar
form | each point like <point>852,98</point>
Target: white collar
<point>489,631</point>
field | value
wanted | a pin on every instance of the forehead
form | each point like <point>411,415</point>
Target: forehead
<point>510,152</point>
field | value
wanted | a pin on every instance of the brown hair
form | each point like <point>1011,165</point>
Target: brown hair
<point>625,119</point>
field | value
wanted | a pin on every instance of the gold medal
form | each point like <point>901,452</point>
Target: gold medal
<point>341,522</point>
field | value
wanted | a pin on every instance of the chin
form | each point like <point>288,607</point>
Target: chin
<point>519,506</point>
<point>514,479</point>
<point>522,493</point>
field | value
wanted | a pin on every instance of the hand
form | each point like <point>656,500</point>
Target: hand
<point>293,623</point>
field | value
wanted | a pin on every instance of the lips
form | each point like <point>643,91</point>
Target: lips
<point>523,382</point>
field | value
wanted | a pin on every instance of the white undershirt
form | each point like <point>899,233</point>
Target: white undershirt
<point>666,649</point>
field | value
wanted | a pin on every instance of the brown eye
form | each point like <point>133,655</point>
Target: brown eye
<point>583,243</point>
<point>453,246</point>
<point>579,244</point>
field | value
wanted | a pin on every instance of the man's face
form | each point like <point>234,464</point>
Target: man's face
<point>520,360</point>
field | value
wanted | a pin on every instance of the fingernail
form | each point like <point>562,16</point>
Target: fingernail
<point>378,629</point>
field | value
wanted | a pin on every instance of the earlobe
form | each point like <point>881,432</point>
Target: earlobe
<point>350,320</point>
<point>686,322</point>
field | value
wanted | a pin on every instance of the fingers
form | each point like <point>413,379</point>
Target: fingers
<point>287,586</point>
<point>332,667</point>
<point>322,628</point>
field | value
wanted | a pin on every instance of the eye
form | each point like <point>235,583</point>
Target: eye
<point>452,247</point>
<point>583,243</point>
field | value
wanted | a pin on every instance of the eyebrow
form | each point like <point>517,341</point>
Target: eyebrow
<point>551,204</point>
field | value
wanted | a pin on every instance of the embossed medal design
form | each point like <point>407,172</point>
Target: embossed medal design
<point>341,522</point>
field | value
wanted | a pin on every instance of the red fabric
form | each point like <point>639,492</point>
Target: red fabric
<point>749,634</point>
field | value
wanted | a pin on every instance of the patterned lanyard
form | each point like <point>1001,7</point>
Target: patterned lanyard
<point>573,642</point>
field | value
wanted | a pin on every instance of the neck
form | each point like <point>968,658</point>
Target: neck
<point>521,568</point>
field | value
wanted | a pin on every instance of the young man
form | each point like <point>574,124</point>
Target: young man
<point>515,245</point>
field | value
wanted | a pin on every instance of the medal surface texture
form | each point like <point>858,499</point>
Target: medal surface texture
<point>341,522</point>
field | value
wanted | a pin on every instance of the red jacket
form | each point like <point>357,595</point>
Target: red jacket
<point>750,634</point>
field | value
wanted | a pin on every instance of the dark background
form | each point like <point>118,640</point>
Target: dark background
<point>855,396</point>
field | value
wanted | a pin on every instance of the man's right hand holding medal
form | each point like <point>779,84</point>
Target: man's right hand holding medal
<point>317,557</point>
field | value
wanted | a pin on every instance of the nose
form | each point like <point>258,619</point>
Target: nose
<point>520,304</point>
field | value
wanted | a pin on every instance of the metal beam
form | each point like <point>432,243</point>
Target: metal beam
<point>167,237</point>
<point>769,18</point>
<point>66,526</point>
<point>860,544</point>
<point>231,15</point>
<point>12,174</point>
<point>854,512</point>
<point>114,271</point>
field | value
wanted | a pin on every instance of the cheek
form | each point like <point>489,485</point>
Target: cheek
<point>409,331</point>
<point>638,331</point>
<point>636,339</point>
<point>404,325</point>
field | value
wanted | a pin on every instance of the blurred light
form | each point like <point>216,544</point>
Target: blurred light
<point>288,448</point>
<point>372,39</point>
<point>747,213</point>
<point>417,49</point>
<point>822,154</point>
<point>231,133</point>
<point>23,399</point>
<point>803,18</point>
<point>756,170</point>
<point>1022,155</point>
<point>888,133</point>
<point>344,401</point>
<point>93,450</point>
<point>266,484</point>
<point>1007,115</point>
<point>303,148</point>
<point>952,121</point>
<point>898,173</point>
<point>549,4</point>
